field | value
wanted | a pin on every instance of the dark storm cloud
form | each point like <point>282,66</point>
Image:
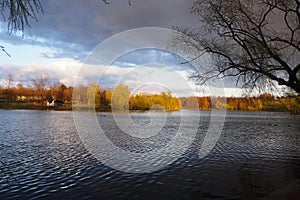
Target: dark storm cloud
<point>77,26</point>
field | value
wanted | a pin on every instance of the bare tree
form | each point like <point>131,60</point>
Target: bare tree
<point>9,91</point>
<point>253,41</point>
<point>9,80</point>
<point>41,86</point>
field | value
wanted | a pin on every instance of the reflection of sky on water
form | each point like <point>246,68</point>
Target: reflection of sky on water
<point>257,153</point>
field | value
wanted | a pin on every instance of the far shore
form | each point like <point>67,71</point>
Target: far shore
<point>70,108</point>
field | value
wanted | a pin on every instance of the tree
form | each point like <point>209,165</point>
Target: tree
<point>203,103</point>
<point>58,91</point>
<point>79,95</point>
<point>120,97</point>
<point>9,92</point>
<point>190,103</point>
<point>53,92</point>
<point>68,94</point>
<point>41,84</point>
<point>9,80</point>
<point>105,98</point>
<point>252,41</point>
<point>93,94</point>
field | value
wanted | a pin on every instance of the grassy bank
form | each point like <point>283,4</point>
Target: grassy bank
<point>33,107</point>
<point>68,107</point>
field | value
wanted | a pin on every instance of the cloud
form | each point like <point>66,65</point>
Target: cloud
<point>147,79</point>
<point>75,26</point>
<point>67,71</point>
<point>64,71</point>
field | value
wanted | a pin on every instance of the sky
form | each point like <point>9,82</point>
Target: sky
<point>68,38</point>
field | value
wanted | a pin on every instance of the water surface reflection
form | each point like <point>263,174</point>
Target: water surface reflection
<point>42,157</point>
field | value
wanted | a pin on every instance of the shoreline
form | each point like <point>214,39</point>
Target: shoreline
<point>70,108</point>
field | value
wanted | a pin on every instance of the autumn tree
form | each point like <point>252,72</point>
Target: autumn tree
<point>9,91</point>
<point>58,91</point>
<point>154,102</point>
<point>20,89</point>
<point>61,92</point>
<point>255,42</point>
<point>68,94</point>
<point>140,102</point>
<point>41,85</point>
<point>204,103</point>
<point>105,98</point>
<point>93,94</point>
<point>23,92</point>
<point>53,91</point>
<point>79,95</point>
<point>190,103</point>
<point>120,97</point>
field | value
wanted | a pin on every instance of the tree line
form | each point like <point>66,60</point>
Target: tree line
<point>120,98</point>
<point>263,102</point>
<point>40,90</point>
<point>37,91</point>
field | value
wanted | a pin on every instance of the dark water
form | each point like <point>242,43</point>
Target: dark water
<point>42,156</point>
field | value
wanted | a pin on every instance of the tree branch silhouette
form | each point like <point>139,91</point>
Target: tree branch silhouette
<point>253,41</point>
<point>17,14</point>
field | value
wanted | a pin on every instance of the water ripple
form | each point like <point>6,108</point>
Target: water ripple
<point>42,157</point>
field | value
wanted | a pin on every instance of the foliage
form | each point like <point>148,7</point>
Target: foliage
<point>120,97</point>
<point>155,102</point>
<point>103,99</point>
<point>93,94</point>
<point>40,85</point>
<point>263,102</point>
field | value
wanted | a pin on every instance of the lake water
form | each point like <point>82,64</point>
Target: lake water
<point>42,156</point>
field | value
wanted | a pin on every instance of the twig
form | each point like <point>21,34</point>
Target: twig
<point>3,49</point>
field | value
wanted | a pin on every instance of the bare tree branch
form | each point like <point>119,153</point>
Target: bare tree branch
<point>3,49</point>
<point>253,41</point>
<point>18,12</point>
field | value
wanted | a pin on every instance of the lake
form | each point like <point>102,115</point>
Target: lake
<point>42,156</point>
